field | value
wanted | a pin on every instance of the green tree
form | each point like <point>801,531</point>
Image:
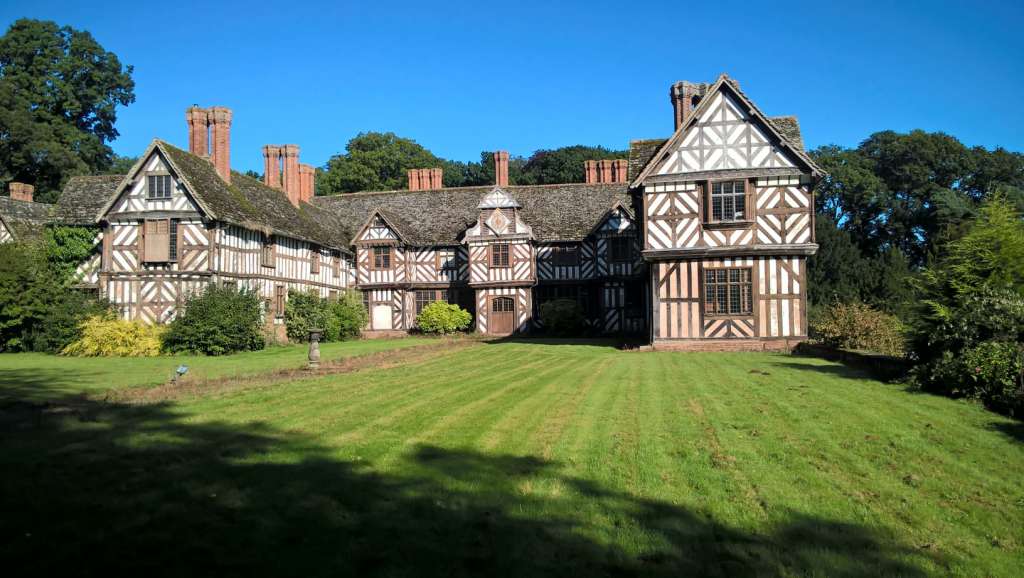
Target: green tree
<point>375,161</point>
<point>563,165</point>
<point>59,93</point>
<point>120,165</point>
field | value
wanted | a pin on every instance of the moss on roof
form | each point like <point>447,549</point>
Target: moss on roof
<point>83,197</point>
<point>640,153</point>
<point>789,128</point>
<point>249,203</point>
<point>24,219</point>
<point>440,216</point>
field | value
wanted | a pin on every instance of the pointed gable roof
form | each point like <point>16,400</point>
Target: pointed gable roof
<point>618,207</point>
<point>727,85</point>
<point>246,202</point>
<point>498,199</point>
<point>392,222</point>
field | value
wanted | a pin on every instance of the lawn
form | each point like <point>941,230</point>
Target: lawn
<point>38,376</point>
<point>521,459</point>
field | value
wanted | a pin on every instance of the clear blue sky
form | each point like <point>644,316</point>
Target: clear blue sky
<point>464,77</point>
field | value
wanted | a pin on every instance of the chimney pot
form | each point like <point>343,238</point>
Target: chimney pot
<point>436,180</point>
<point>590,171</point>
<point>272,166</point>
<point>21,191</point>
<point>501,168</point>
<point>198,131</point>
<point>414,179</point>
<point>605,168</point>
<point>290,152</point>
<point>621,171</point>
<point>685,96</point>
<point>220,123</point>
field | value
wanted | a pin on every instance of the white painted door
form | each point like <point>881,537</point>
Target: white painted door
<point>382,317</point>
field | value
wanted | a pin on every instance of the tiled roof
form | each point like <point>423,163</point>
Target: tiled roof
<point>24,219</point>
<point>566,212</point>
<point>249,203</point>
<point>83,197</point>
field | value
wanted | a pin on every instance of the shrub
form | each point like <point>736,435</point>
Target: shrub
<point>108,336</point>
<point>62,322</point>
<point>859,326</point>
<point>563,317</point>
<point>304,311</point>
<point>992,372</point>
<point>217,321</point>
<point>39,309</point>
<point>339,319</point>
<point>443,318</point>
<point>348,316</point>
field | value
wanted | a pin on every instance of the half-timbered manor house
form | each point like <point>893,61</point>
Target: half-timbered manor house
<point>698,240</point>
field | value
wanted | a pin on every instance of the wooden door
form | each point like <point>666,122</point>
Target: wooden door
<point>502,316</point>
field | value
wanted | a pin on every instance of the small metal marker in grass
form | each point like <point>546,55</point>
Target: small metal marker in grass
<point>314,347</point>
<point>179,373</point>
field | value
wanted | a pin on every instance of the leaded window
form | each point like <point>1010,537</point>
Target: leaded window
<point>159,186</point>
<point>728,201</point>
<point>382,257</point>
<point>728,292</point>
<point>499,255</point>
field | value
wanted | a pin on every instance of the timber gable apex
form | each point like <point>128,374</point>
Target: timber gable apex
<point>725,85</point>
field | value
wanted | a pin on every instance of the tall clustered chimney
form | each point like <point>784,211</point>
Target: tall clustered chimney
<point>21,191</point>
<point>685,96</point>
<point>501,168</point>
<point>606,171</point>
<point>220,132</point>
<point>198,120</point>
<point>306,176</point>
<point>620,170</point>
<point>291,172</point>
<point>425,179</point>
<point>272,166</point>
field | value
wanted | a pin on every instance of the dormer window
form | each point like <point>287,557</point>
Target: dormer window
<point>159,186</point>
<point>727,202</point>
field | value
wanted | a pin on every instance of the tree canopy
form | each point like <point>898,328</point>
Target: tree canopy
<point>59,93</point>
<point>380,161</point>
<point>887,207</point>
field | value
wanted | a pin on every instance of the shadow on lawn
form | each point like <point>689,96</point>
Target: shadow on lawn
<point>93,488</point>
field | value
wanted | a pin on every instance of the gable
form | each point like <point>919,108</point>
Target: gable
<point>136,198</point>
<point>377,229</point>
<point>5,235</point>
<point>617,221</point>
<point>724,137</point>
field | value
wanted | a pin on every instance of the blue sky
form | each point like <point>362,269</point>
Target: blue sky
<point>464,77</point>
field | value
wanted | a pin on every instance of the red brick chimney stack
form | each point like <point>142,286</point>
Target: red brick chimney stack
<point>425,179</point>
<point>620,171</point>
<point>272,166</point>
<point>220,131</point>
<point>685,96</point>
<point>198,131</point>
<point>501,168</point>
<point>291,172</point>
<point>606,171</point>
<point>21,191</point>
<point>306,175</point>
